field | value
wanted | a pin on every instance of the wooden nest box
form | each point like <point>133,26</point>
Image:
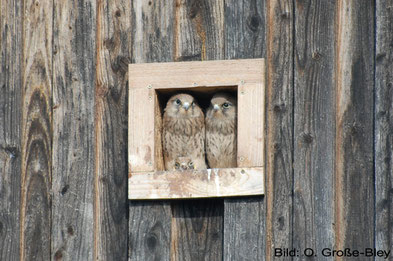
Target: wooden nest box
<point>150,86</point>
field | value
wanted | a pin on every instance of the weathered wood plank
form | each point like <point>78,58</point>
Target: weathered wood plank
<point>197,229</point>
<point>199,30</point>
<point>384,125</point>
<point>279,125</point>
<point>192,74</point>
<point>152,31</point>
<point>10,128</point>
<point>196,184</point>
<point>150,235</point>
<point>113,43</point>
<point>37,132</point>
<point>354,196</point>
<point>245,229</point>
<point>314,126</point>
<point>73,128</point>
<point>152,41</point>
<point>245,29</point>
<point>244,219</point>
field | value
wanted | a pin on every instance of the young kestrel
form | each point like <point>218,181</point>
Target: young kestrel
<point>221,131</point>
<point>184,163</point>
<point>183,131</point>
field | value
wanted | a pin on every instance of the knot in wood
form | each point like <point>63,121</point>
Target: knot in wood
<point>308,138</point>
<point>316,55</point>
<point>58,255</point>
<point>285,15</point>
<point>254,22</point>
<point>279,108</point>
<point>277,147</point>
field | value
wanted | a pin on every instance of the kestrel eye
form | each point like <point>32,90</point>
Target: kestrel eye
<point>225,105</point>
<point>177,101</point>
<point>177,164</point>
<point>191,164</point>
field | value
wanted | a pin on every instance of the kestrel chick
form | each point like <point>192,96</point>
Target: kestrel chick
<point>184,163</point>
<point>183,131</point>
<point>221,131</point>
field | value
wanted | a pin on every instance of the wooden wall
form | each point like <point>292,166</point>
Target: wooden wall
<point>63,128</point>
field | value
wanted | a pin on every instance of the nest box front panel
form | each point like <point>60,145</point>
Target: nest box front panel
<point>151,84</point>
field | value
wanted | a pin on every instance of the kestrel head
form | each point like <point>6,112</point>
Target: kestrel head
<point>184,163</point>
<point>182,105</point>
<point>222,105</point>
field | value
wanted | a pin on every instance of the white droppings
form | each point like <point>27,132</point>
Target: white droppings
<point>217,181</point>
<point>209,171</point>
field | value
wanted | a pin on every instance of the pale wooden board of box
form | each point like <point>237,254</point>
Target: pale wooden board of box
<point>196,184</point>
<point>144,126</point>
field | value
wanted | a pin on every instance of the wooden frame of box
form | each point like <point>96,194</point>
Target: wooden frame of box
<point>147,178</point>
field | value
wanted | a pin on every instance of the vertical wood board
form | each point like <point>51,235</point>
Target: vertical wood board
<point>279,171</point>
<point>37,132</point>
<point>72,231</point>
<point>10,127</point>
<point>251,124</point>
<point>151,231</point>
<point>354,195</point>
<point>198,30</point>
<point>113,54</point>
<point>383,139</point>
<point>141,138</point>
<point>314,125</point>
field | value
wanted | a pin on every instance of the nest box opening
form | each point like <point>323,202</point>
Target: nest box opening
<point>201,94</point>
<point>150,87</point>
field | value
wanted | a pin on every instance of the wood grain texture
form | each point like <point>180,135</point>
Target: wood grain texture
<point>141,139</point>
<point>194,74</point>
<point>314,129</point>
<point>149,238</point>
<point>197,225</point>
<point>245,228</point>
<point>10,127</point>
<point>251,124</point>
<point>149,233</point>
<point>152,31</point>
<point>35,241</point>
<point>354,196</point>
<point>245,29</point>
<point>384,125</point>
<point>244,219</point>
<point>197,230</point>
<point>279,159</point>
<point>199,30</point>
<point>196,184</point>
<point>73,126</point>
<point>113,43</point>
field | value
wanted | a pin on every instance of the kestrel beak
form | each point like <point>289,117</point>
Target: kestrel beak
<point>184,167</point>
<point>216,107</point>
<point>186,105</point>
